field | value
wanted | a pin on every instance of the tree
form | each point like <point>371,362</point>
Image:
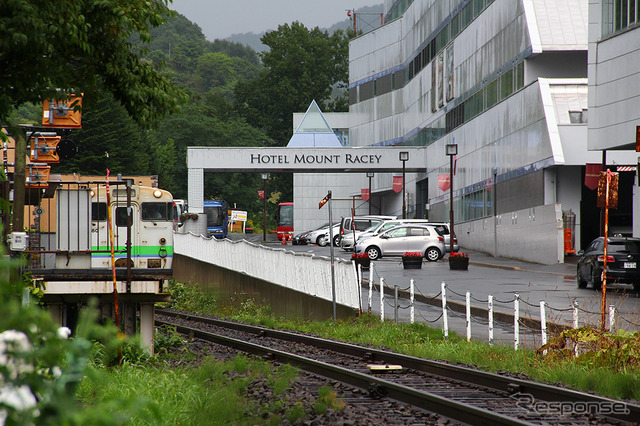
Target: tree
<point>302,65</point>
<point>78,46</point>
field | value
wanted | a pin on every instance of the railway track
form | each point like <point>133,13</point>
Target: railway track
<point>463,394</point>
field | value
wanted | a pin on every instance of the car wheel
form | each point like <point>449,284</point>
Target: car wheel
<point>595,279</point>
<point>373,252</point>
<point>432,254</point>
<point>322,241</point>
<point>581,283</point>
<point>336,241</point>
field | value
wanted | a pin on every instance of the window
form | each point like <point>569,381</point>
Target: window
<point>98,211</point>
<point>397,233</point>
<point>419,232</point>
<point>506,84</point>
<point>491,94</point>
<point>157,211</point>
<point>121,216</point>
<point>617,15</point>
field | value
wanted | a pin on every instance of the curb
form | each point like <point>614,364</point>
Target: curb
<point>517,268</point>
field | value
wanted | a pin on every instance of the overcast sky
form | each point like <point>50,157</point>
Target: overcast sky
<point>221,18</point>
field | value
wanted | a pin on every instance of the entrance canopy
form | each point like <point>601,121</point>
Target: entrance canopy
<point>301,160</point>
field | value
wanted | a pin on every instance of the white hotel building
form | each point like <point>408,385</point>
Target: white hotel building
<point>507,81</point>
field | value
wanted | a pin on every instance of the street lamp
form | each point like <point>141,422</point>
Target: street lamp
<point>265,176</point>
<point>370,175</point>
<point>404,156</point>
<point>452,150</point>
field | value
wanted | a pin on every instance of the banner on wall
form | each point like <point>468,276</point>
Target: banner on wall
<point>444,183</point>
<point>591,175</point>
<point>397,184</point>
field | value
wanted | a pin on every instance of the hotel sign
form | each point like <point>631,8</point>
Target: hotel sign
<point>310,160</point>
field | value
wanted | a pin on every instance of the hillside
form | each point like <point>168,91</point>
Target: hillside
<point>368,21</point>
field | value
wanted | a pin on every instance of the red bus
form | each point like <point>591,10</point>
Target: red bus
<point>284,220</point>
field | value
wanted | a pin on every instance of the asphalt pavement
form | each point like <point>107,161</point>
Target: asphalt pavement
<point>499,277</point>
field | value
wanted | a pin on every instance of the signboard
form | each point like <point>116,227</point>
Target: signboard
<point>364,194</point>
<point>613,190</point>
<point>444,182</point>
<point>591,175</point>
<point>397,184</point>
<point>311,160</point>
<point>238,216</point>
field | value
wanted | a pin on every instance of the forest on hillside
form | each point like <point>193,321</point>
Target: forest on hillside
<point>234,97</point>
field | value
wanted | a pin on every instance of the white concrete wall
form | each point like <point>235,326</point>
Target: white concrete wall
<point>297,271</point>
<point>540,227</point>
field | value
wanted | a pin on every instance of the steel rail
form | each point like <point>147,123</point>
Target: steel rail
<point>511,385</point>
<point>425,400</point>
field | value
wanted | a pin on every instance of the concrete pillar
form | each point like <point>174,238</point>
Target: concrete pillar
<point>147,328</point>
<point>129,317</point>
<point>106,311</point>
<point>56,312</point>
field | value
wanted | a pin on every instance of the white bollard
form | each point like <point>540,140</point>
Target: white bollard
<point>381,299</point>
<point>490,309</point>
<point>543,324</point>
<point>445,323</point>
<point>516,322</point>
<point>412,301</point>
<point>370,285</point>
<point>575,324</point>
<point>612,319</point>
<point>468,302</point>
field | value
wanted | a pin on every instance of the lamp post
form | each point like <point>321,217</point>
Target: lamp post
<point>452,150</point>
<point>404,156</point>
<point>370,175</point>
<point>265,176</point>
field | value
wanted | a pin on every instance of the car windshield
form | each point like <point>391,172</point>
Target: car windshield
<point>372,228</point>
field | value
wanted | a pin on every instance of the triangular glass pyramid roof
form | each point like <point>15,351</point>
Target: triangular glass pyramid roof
<point>313,121</point>
<point>314,130</point>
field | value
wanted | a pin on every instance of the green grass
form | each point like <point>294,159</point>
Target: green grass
<point>214,393</point>
<point>612,369</point>
<point>168,389</point>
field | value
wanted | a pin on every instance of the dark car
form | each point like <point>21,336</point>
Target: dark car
<point>623,261</point>
<point>300,239</point>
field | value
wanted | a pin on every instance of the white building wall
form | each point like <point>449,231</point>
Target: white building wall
<point>614,85</point>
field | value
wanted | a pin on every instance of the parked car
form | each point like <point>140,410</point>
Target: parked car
<point>404,238</point>
<point>302,237</point>
<point>623,261</point>
<point>317,236</point>
<point>347,240</point>
<point>441,227</point>
<point>323,240</point>
<point>357,224</point>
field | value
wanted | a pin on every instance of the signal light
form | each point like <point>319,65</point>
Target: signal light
<point>61,113</point>
<point>44,149</point>
<point>37,176</point>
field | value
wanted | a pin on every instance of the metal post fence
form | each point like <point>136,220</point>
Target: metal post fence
<point>468,312</point>
<point>516,322</point>
<point>370,285</point>
<point>490,312</point>
<point>575,323</point>
<point>381,299</point>
<point>612,319</point>
<point>395,303</point>
<point>412,283</point>
<point>543,324</point>
<point>445,323</point>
